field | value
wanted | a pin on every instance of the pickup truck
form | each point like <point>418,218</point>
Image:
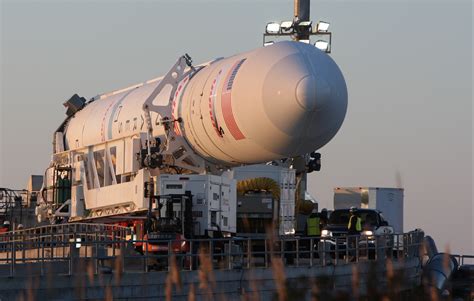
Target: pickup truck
<point>334,234</point>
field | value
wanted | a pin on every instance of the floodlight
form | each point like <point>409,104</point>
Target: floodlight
<point>268,43</point>
<point>304,41</point>
<point>305,24</point>
<point>286,25</point>
<point>77,241</point>
<point>273,28</point>
<point>322,26</point>
<point>322,45</point>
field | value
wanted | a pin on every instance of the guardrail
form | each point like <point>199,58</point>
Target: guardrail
<point>62,232</point>
<point>106,250</point>
<point>464,259</point>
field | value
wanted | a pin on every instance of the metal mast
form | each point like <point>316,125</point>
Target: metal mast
<point>302,14</point>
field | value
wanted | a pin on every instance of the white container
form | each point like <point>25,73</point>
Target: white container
<point>214,200</point>
<point>286,178</point>
<point>387,200</point>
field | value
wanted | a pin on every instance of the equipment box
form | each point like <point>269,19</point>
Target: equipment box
<point>214,200</point>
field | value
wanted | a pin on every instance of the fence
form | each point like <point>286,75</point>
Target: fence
<point>464,259</point>
<point>91,248</point>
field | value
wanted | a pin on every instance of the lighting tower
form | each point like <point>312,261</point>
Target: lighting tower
<point>300,29</point>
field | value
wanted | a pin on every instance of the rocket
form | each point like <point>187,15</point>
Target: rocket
<point>280,101</point>
<point>274,103</point>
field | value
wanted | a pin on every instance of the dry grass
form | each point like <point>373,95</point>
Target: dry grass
<point>173,278</point>
<point>280,278</point>
<point>207,282</point>
<point>355,282</point>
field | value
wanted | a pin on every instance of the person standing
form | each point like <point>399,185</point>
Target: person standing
<point>313,224</point>
<point>354,228</point>
<point>355,222</point>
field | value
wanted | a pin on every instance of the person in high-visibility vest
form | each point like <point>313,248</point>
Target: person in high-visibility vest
<point>355,222</point>
<point>354,227</point>
<point>313,225</point>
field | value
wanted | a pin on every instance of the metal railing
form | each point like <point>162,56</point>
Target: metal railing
<point>72,249</point>
<point>64,232</point>
<point>464,259</point>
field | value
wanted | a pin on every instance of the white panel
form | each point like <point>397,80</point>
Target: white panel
<point>124,193</point>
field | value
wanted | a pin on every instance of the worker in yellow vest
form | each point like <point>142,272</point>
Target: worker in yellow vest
<point>354,228</point>
<point>313,224</point>
<point>355,222</point>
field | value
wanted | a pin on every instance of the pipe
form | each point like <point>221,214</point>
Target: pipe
<point>302,9</point>
<point>439,270</point>
<point>430,246</point>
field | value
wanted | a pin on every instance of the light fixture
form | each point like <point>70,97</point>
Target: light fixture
<point>286,26</point>
<point>326,233</point>
<point>322,45</point>
<point>273,28</point>
<point>304,26</point>
<point>78,242</point>
<point>322,26</point>
<point>305,23</point>
<point>268,43</point>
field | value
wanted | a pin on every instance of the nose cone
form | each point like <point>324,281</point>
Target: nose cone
<point>305,97</point>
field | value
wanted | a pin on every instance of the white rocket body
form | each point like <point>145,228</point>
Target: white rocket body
<point>281,101</point>
<point>284,100</point>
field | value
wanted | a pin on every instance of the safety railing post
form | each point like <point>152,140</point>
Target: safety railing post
<point>376,243</point>
<point>357,241</point>
<point>191,255</point>
<point>297,252</point>
<point>169,255</point>
<point>282,249</point>
<point>145,244</point>
<point>51,238</point>
<point>229,254</point>
<point>113,243</point>
<point>71,250</point>
<point>42,257</point>
<point>211,252</point>
<point>13,256</point>
<point>348,246</point>
<point>249,253</point>
<point>96,253</point>
<point>398,246</point>
<point>324,247</point>
<point>23,249</point>
<point>266,253</point>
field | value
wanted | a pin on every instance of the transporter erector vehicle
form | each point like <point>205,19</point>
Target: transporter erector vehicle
<point>272,105</point>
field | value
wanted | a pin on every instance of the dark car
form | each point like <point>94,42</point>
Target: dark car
<point>335,234</point>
